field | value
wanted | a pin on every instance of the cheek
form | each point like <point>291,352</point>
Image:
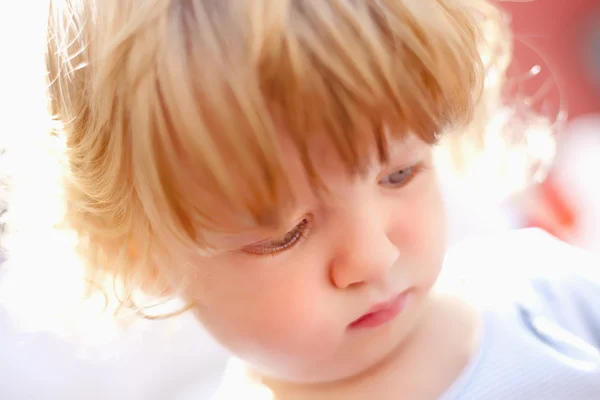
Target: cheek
<point>420,228</point>
<point>277,313</point>
<point>422,208</point>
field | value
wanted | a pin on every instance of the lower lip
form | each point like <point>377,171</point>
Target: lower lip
<point>383,316</point>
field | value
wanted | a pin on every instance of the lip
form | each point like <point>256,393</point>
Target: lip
<point>381,313</point>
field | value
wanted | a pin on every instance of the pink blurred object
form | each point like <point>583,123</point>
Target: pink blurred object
<point>567,204</point>
<point>563,36</point>
<point>576,174</point>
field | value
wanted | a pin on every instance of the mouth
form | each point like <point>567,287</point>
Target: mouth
<point>381,313</point>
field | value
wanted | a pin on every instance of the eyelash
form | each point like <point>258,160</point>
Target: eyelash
<point>288,241</point>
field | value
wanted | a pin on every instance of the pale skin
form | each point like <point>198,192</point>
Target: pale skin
<point>283,301</point>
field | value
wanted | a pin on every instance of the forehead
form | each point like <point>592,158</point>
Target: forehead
<point>328,163</point>
<point>332,172</point>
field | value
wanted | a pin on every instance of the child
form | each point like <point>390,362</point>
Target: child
<point>271,162</point>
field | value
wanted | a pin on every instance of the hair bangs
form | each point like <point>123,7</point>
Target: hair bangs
<point>227,83</point>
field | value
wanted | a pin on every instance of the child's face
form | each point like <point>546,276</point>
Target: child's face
<point>285,301</point>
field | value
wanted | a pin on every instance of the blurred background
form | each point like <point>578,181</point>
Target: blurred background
<point>563,37</point>
<point>176,359</point>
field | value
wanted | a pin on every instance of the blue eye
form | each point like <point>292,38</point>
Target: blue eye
<point>399,178</point>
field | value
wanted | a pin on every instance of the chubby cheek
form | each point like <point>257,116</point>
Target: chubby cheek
<point>277,316</point>
<point>421,233</point>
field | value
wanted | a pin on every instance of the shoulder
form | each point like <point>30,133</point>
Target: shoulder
<point>522,256</point>
<point>537,272</point>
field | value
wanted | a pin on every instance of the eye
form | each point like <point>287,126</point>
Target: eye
<point>399,178</point>
<point>272,247</point>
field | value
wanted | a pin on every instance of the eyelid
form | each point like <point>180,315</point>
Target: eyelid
<point>281,243</point>
<point>392,168</point>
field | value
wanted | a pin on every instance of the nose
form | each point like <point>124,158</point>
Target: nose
<point>365,254</point>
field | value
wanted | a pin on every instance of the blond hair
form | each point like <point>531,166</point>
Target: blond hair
<point>170,110</point>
